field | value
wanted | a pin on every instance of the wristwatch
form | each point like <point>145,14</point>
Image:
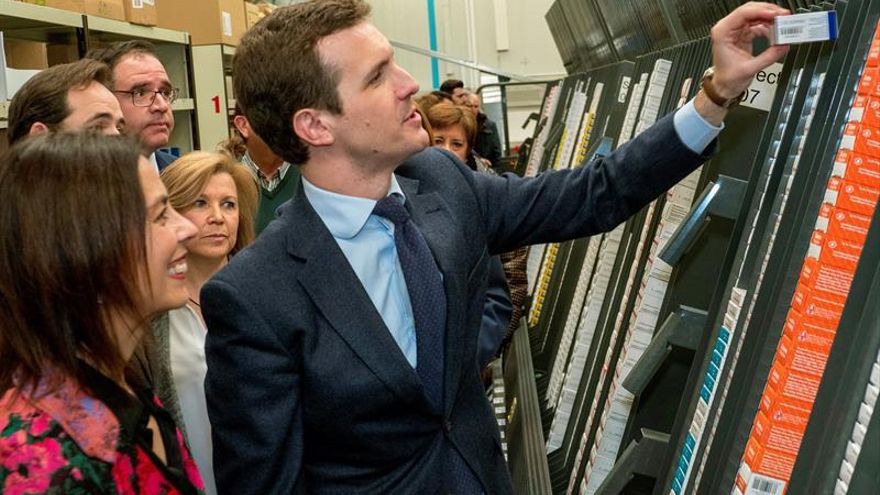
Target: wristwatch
<point>712,94</point>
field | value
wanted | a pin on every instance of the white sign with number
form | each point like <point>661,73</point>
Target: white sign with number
<point>762,90</point>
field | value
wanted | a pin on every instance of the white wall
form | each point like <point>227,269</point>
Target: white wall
<point>467,30</point>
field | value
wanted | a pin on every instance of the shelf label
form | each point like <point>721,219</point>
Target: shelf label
<point>760,93</point>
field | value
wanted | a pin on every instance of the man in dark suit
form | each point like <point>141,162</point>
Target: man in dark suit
<point>145,94</point>
<point>341,345</point>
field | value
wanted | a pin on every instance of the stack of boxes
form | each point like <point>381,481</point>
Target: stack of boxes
<point>842,225</point>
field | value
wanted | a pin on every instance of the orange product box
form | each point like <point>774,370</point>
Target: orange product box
<point>771,401</point>
<point>833,282</point>
<point>874,53</point>
<point>803,358</point>
<point>868,84</point>
<point>740,483</point>
<point>792,387</point>
<point>768,461</point>
<point>839,253</point>
<point>803,329</point>
<point>856,167</point>
<point>782,429</point>
<point>843,224</point>
<point>852,196</point>
<point>861,138</point>
<point>866,110</point>
<point>817,305</point>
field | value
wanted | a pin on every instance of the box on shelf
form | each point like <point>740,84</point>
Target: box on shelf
<point>72,5</point>
<point>141,12</point>
<point>252,13</point>
<point>109,9</point>
<point>256,11</point>
<point>22,54</point>
<point>208,22</point>
<point>62,54</point>
<point>11,78</point>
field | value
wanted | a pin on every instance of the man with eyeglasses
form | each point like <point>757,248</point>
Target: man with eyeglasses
<point>145,94</point>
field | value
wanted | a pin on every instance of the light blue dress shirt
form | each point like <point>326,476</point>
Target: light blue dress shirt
<point>367,240</point>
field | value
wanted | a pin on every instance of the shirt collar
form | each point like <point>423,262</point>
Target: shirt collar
<point>343,215</point>
<point>153,161</point>
<point>259,174</point>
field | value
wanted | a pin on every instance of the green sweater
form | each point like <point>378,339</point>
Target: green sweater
<point>270,201</point>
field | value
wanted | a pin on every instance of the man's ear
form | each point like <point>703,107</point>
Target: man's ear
<point>38,128</point>
<point>242,125</point>
<point>311,126</point>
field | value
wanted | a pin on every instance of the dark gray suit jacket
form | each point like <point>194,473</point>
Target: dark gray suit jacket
<point>306,387</point>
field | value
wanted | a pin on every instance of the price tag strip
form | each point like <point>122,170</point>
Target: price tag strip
<point>857,439</point>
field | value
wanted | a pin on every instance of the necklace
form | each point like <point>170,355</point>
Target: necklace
<point>194,302</point>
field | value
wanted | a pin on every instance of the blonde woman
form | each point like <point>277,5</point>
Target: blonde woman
<point>218,195</point>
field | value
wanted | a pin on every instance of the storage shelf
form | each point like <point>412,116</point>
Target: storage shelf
<point>16,16</point>
<point>113,30</point>
<point>25,21</point>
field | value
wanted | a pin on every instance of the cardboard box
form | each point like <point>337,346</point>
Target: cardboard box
<point>800,328</point>
<point>768,461</point>
<point>791,387</point>
<point>800,357</point>
<point>22,54</point>
<point>824,307</point>
<point>782,429</point>
<point>861,138</point>
<point>852,196</point>
<point>832,251</point>
<point>856,167</point>
<point>869,84</point>
<point>874,53</point>
<point>843,224</point>
<point>11,79</point>
<point>109,9</point>
<point>62,54</point>
<point>71,5</point>
<point>141,12</point>
<point>831,281</point>
<point>866,110</point>
<point>208,22</point>
<point>253,14</point>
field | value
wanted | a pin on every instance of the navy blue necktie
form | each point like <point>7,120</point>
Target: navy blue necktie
<point>426,295</point>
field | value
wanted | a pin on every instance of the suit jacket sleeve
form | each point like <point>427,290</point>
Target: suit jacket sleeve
<point>257,448</point>
<point>594,198</point>
<point>496,314</point>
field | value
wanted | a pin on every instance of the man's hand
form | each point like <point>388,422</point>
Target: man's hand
<point>735,66</point>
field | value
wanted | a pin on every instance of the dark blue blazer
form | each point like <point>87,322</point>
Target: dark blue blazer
<point>164,159</point>
<point>306,388</point>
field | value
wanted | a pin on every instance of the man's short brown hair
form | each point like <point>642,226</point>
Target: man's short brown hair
<point>44,97</point>
<point>277,70</point>
<point>114,53</point>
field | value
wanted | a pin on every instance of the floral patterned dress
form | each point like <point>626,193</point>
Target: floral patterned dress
<point>72,441</point>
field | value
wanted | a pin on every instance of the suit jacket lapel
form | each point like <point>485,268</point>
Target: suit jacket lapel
<point>335,289</point>
<point>430,214</point>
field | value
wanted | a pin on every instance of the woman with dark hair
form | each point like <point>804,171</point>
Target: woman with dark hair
<point>219,196</point>
<point>90,251</point>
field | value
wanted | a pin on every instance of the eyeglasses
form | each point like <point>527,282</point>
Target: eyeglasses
<point>146,97</point>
